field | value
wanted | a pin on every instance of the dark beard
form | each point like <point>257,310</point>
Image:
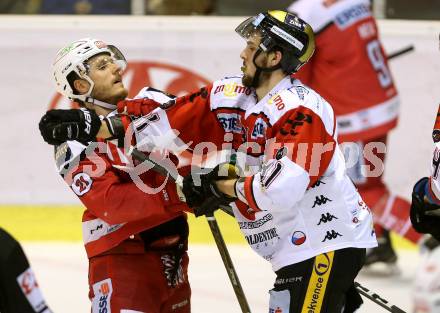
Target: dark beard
<point>247,80</point>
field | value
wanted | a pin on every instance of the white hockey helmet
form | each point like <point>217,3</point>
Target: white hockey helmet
<point>72,59</point>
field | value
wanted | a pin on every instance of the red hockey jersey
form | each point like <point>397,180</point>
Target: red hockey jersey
<point>349,68</point>
<point>118,201</point>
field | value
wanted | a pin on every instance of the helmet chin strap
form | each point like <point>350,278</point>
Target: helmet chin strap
<point>100,103</point>
<point>87,97</point>
<point>259,69</point>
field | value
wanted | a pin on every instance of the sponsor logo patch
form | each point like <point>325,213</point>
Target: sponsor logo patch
<point>263,236</point>
<point>318,283</point>
<point>103,293</point>
<point>230,122</point>
<point>232,90</point>
<point>256,224</point>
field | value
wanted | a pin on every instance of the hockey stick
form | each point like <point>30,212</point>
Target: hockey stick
<point>377,299</point>
<point>227,261</point>
<point>397,53</point>
<point>215,230</point>
<point>213,225</point>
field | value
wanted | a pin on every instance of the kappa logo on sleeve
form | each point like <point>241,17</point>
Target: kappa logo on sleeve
<point>102,295</point>
<point>82,183</point>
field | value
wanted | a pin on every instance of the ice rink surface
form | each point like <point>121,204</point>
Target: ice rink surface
<point>61,270</point>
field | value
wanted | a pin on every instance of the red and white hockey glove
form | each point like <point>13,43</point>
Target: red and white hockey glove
<point>137,107</point>
<point>170,195</point>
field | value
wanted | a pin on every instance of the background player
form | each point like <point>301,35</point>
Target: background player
<point>350,70</point>
<point>19,289</point>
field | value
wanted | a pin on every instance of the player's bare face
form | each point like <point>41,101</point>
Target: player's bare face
<point>107,76</point>
<point>247,55</point>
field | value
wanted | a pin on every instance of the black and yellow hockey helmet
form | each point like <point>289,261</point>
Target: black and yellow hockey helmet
<point>284,31</point>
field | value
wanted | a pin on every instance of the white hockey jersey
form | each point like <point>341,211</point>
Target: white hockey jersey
<point>433,192</point>
<point>300,203</point>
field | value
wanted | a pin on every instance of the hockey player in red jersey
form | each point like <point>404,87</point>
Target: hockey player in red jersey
<point>297,208</point>
<point>350,70</point>
<point>135,240</point>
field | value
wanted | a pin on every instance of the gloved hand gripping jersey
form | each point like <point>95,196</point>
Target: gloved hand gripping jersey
<point>201,191</point>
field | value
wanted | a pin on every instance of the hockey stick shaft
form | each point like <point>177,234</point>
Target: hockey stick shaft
<point>227,261</point>
<point>398,53</point>
<point>377,299</point>
<point>213,225</point>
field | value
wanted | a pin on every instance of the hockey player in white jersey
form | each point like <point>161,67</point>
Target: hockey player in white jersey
<point>304,215</point>
<point>425,217</point>
<point>299,210</point>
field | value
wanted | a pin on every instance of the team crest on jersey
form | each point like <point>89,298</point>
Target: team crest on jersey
<point>82,183</point>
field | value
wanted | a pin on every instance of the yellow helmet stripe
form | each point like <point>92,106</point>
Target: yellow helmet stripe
<point>279,15</point>
<point>311,46</point>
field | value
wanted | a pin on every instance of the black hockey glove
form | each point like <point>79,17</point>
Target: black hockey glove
<point>58,126</point>
<point>201,191</point>
<point>422,213</point>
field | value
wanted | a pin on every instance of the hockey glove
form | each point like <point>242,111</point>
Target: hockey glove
<point>137,107</point>
<point>201,192</point>
<point>421,212</point>
<point>58,126</point>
